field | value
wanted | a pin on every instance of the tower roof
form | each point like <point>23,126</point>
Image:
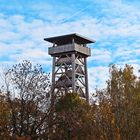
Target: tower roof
<point>66,39</point>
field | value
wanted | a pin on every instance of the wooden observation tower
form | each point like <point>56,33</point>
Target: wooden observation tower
<point>69,69</point>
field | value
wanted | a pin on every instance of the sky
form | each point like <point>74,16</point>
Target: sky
<point>114,24</point>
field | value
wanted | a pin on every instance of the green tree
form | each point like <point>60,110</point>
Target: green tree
<point>73,119</point>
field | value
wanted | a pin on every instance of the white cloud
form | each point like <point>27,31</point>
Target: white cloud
<point>100,55</point>
<point>119,22</point>
<point>97,77</point>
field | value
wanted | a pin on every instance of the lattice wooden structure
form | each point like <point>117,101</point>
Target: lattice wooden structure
<point>69,69</point>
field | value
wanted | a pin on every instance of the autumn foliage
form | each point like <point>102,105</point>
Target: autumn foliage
<point>27,111</point>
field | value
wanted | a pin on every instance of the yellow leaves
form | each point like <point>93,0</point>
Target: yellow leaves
<point>118,105</point>
<point>4,118</point>
<point>4,112</point>
<point>113,121</point>
<point>116,115</point>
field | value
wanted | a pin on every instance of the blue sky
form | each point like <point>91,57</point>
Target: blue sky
<point>114,24</point>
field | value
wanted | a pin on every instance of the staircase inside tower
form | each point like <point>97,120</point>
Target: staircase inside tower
<point>64,72</point>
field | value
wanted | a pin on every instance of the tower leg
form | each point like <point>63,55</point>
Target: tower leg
<point>73,73</point>
<point>86,80</point>
<point>53,77</point>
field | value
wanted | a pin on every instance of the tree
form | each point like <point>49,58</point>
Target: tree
<point>4,118</point>
<point>119,105</point>
<point>28,112</point>
<point>73,119</point>
<point>27,94</point>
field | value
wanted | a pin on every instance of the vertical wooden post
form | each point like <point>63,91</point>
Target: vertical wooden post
<point>73,68</point>
<point>86,80</point>
<point>53,77</point>
<point>73,72</point>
